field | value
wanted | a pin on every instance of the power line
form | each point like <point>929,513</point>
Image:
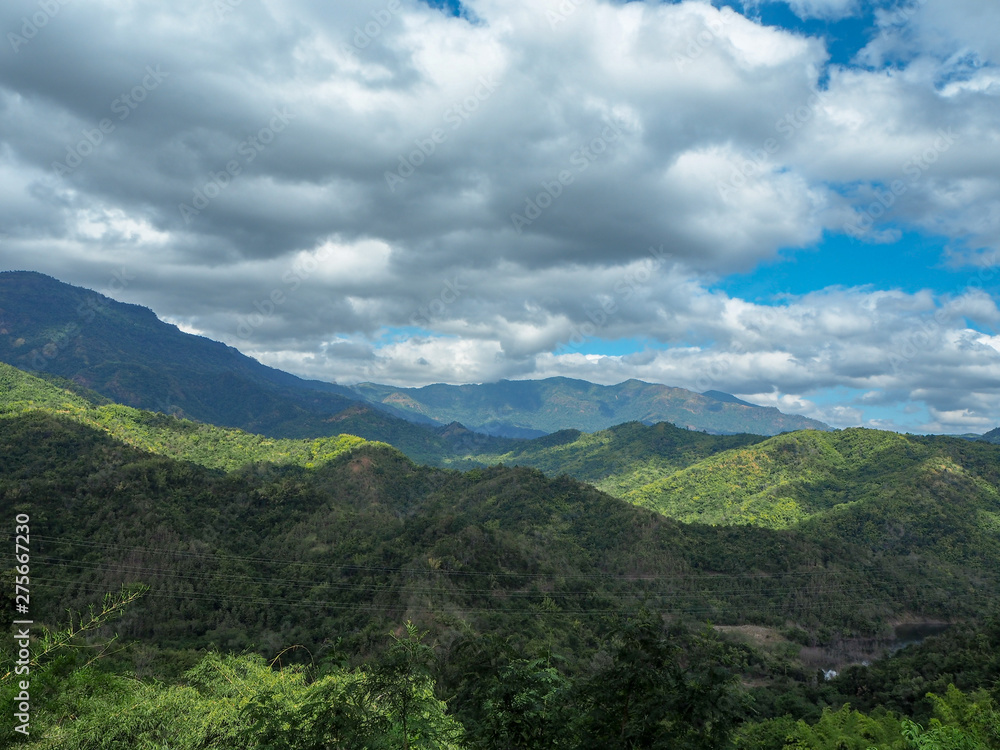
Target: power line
<point>368,607</point>
<point>362,586</point>
<point>700,575</point>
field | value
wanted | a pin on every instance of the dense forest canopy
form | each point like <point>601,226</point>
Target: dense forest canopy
<point>330,592</point>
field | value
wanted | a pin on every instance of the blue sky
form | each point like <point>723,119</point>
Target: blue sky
<point>844,37</point>
<point>798,203</point>
<point>915,262</point>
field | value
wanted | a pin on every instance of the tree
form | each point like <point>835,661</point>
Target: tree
<point>525,707</point>
<point>401,683</point>
<point>656,688</point>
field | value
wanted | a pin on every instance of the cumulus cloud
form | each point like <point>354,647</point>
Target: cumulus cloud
<point>379,190</point>
<point>827,9</point>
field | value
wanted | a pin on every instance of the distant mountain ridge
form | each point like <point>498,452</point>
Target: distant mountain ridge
<point>529,408</point>
<point>125,353</point>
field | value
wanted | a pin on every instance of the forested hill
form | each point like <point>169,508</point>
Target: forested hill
<point>368,537</point>
<point>521,582</point>
<point>780,482</point>
<point>790,478</point>
<point>125,353</point>
<point>617,460</point>
<point>993,436</point>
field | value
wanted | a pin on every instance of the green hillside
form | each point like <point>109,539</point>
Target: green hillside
<point>619,459</point>
<point>790,478</point>
<point>126,353</point>
<point>366,505</point>
<point>540,586</point>
<point>209,446</point>
<point>20,391</point>
<point>993,436</point>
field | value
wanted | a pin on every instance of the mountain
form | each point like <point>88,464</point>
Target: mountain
<point>125,353</point>
<point>619,459</point>
<point>527,408</point>
<point>343,535</point>
<point>993,436</point>
<point>726,398</point>
<point>855,476</point>
<point>506,591</point>
<point>207,445</point>
<point>875,487</point>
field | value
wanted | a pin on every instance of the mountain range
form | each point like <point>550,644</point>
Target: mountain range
<point>531,408</point>
<point>125,353</point>
<point>913,522</point>
<point>312,536</point>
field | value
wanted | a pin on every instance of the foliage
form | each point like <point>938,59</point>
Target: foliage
<point>867,475</point>
<point>61,660</point>
<point>506,579</point>
<point>213,447</point>
<point>618,459</point>
<point>660,689</point>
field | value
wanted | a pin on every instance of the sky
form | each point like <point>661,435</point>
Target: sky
<point>794,202</point>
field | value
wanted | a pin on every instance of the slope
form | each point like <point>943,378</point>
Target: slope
<point>267,555</point>
<point>993,436</point>
<point>619,459</point>
<point>166,435</point>
<point>125,353</point>
<point>788,479</point>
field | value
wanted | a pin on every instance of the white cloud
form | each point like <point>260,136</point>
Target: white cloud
<point>724,152</point>
<point>827,9</point>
